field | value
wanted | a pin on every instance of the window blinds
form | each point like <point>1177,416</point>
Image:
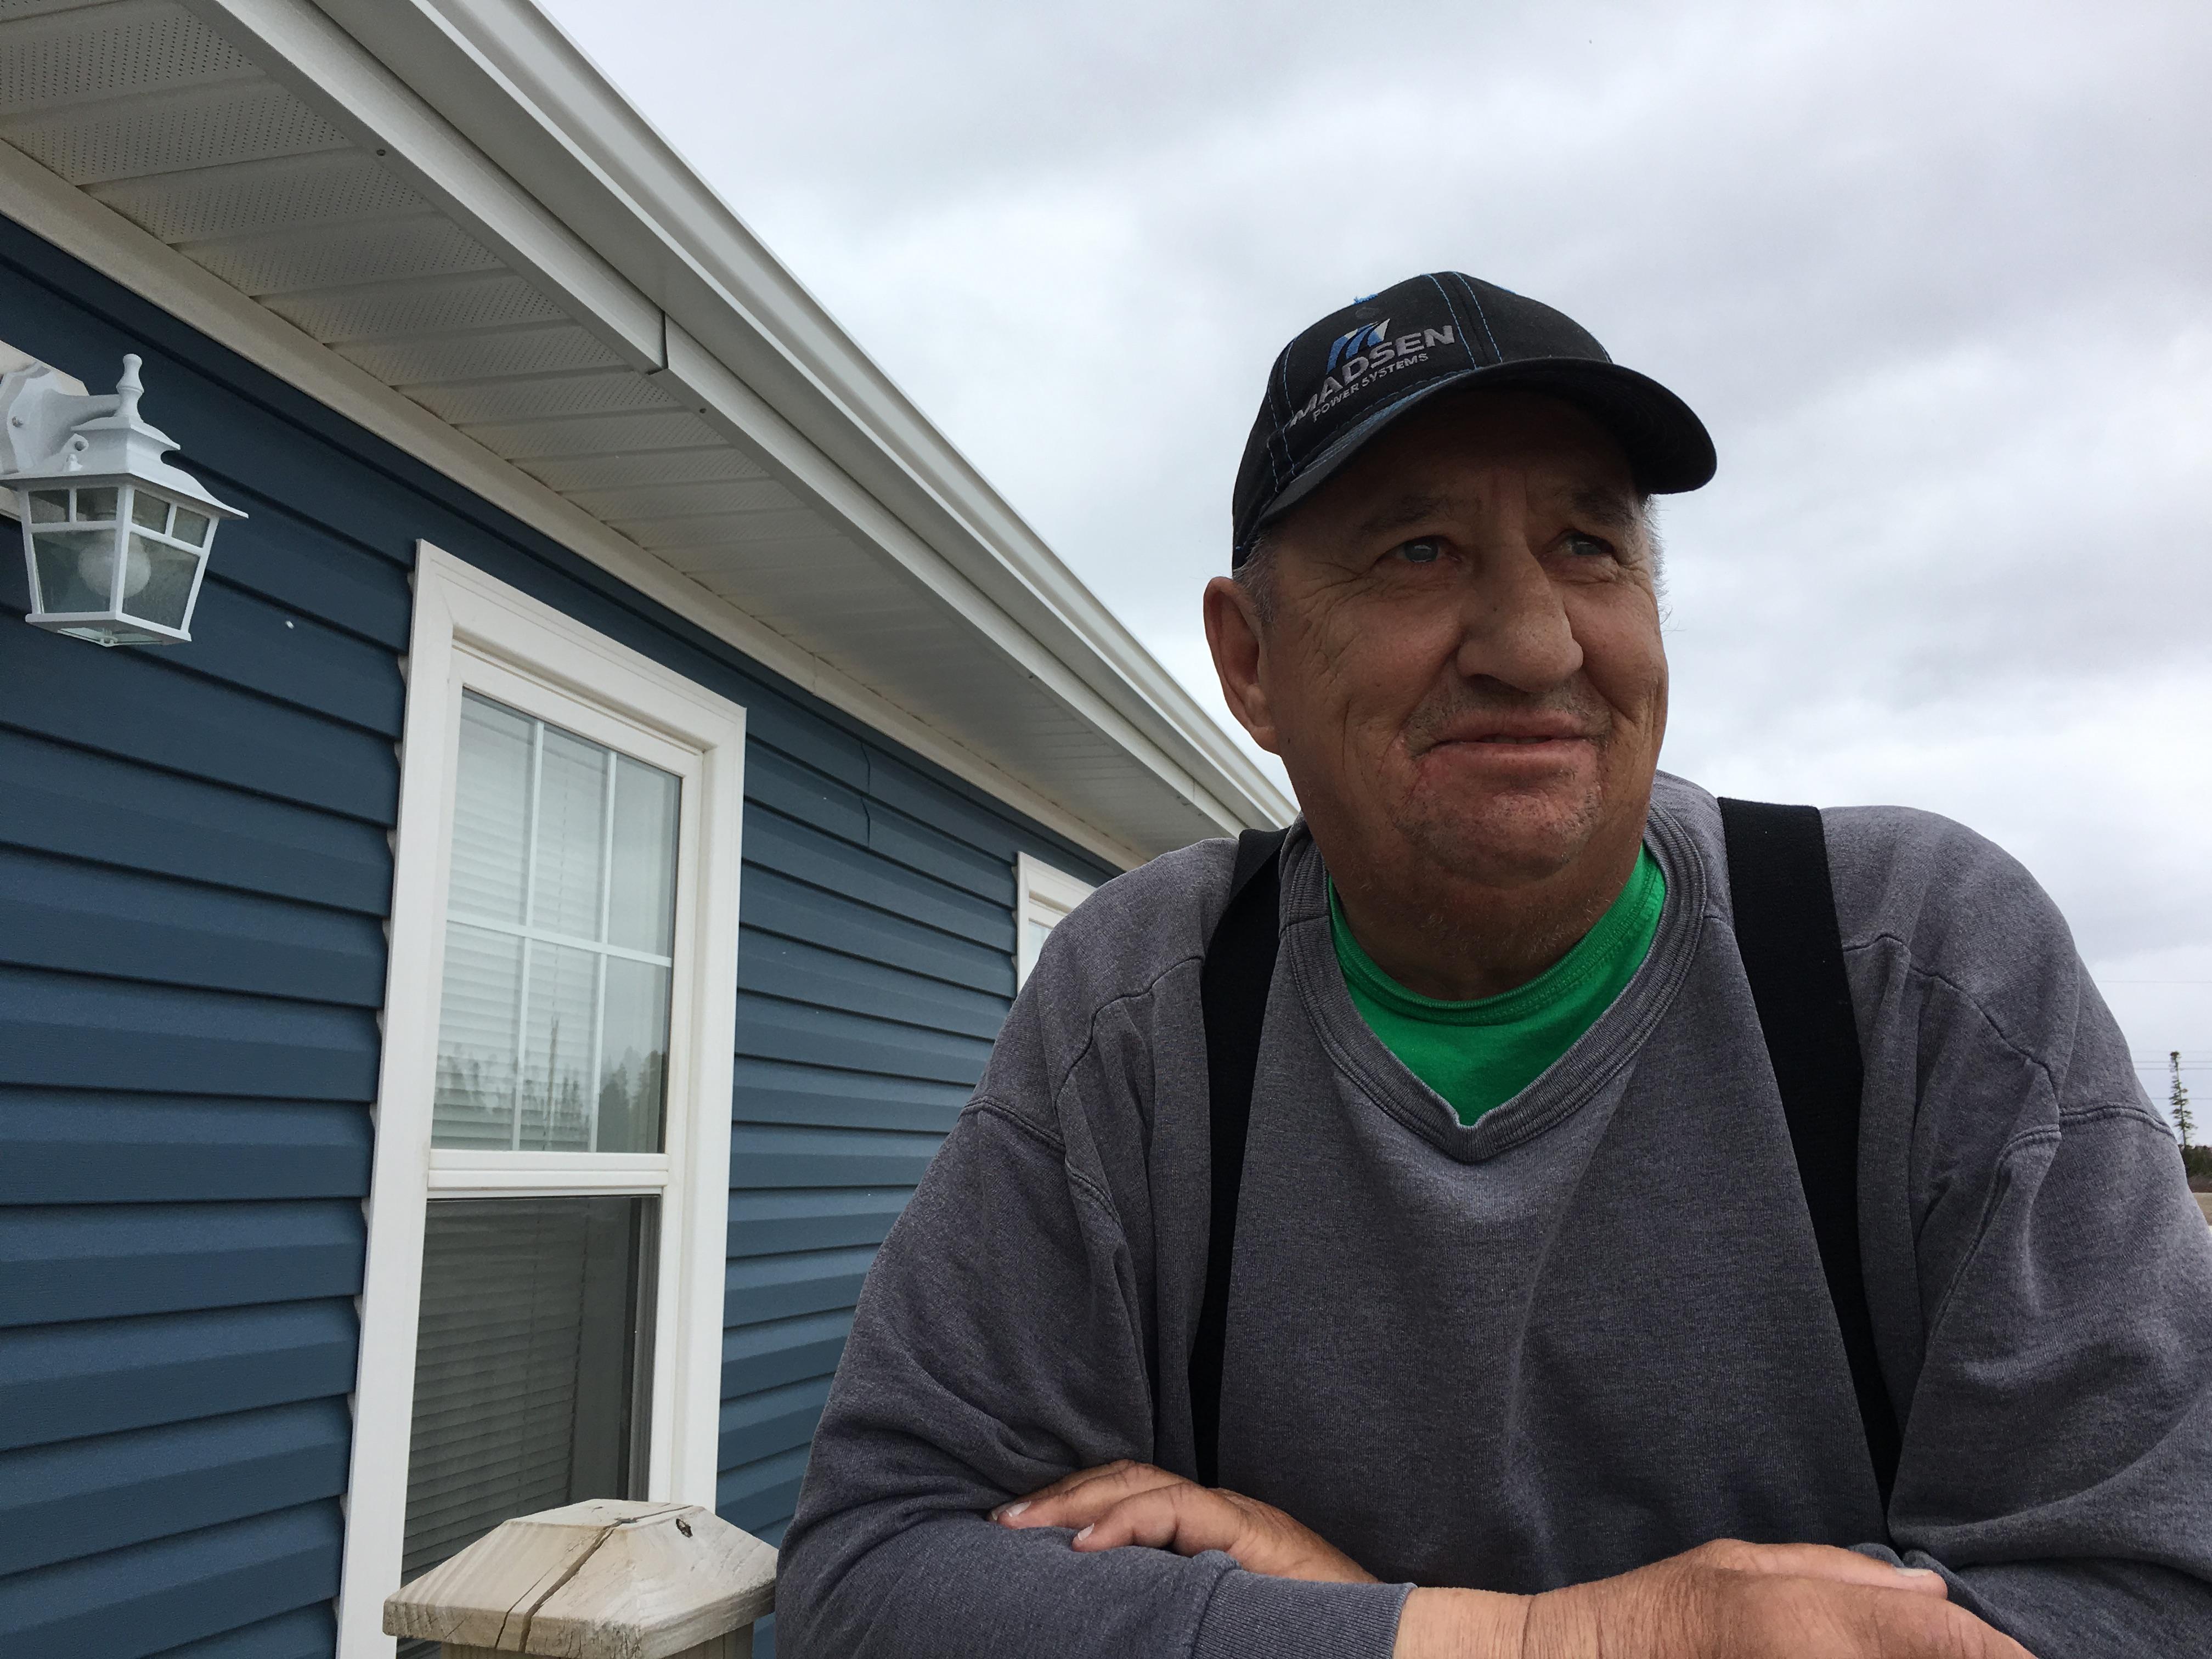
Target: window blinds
<point>526,1363</point>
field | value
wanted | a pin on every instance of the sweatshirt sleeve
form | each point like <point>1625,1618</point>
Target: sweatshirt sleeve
<point>2056,1464</point>
<point>997,1346</point>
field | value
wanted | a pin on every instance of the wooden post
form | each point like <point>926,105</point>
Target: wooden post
<point>603,1579</point>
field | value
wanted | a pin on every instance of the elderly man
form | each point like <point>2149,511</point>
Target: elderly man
<point>1464,1231</point>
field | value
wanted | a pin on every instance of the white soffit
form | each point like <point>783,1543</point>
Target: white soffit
<point>423,208</point>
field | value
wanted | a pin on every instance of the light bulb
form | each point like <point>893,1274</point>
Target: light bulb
<point>96,565</point>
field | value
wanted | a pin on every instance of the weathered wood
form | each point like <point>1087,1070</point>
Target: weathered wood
<point>603,1579</point>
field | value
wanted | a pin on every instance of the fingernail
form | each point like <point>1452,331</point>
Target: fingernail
<point>1008,1511</point>
<point>1919,1572</point>
<point>1080,1536</point>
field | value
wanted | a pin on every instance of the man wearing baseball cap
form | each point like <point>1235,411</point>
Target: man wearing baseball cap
<point>1531,1208</point>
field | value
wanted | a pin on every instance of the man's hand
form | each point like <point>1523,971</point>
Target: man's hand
<point>1721,1601</point>
<point>1125,1502</point>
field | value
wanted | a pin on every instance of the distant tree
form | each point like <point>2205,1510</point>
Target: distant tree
<point>2177,1106</point>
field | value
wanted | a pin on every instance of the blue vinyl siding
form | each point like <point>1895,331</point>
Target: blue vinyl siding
<point>194,877</point>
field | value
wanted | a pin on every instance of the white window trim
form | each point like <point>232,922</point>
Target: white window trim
<point>1042,894</point>
<point>471,631</point>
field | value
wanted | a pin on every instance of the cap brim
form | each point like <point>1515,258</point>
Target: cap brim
<point>1668,447</point>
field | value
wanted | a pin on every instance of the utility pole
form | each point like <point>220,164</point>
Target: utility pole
<point>2177,1102</point>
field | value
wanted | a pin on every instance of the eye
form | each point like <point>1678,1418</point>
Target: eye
<point>1586,546</point>
<point>1422,549</point>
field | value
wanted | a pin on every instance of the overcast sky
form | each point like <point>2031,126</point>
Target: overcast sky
<point>1938,277</point>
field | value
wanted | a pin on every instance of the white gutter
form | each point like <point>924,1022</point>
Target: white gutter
<point>584,190</point>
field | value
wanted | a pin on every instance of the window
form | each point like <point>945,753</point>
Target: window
<point>541,1321</point>
<point>1044,895</point>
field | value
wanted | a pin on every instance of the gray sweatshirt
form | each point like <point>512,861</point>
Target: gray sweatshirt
<point>1587,1333</point>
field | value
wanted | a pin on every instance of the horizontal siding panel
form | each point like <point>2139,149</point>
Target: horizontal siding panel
<point>308,1632</point>
<point>989,829</point>
<point>769,1091</point>
<point>933,852</point>
<point>92,919</point>
<point>240,639</point>
<point>60,1382</point>
<point>769,1223</point>
<point>799,1155</point>
<point>60,1030</point>
<point>66,1147</point>
<point>804,735</point>
<point>104,1260</point>
<point>797,791</point>
<point>58,799</point>
<point>760,1494</point>
<point>132,704</point>
<point>60,1503</point>
<point>769,965</point>
<point>785,1286</point>
<point>776,1351</point>
<point>791,848</point>
<point>775,1030</point>
<point>771,1423</point>
<point>134,1602</point>
<point>305,570</point>
<point>775,904</point>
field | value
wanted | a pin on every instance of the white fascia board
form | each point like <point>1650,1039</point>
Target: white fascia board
<point>702,380</point>
<point>314,59</point>
<point>509,81</point>
<point>56,210</point>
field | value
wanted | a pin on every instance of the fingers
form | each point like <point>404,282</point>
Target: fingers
<point>1080,1498</point>
<point>1181,1516</point>
<point>1818,1561</point>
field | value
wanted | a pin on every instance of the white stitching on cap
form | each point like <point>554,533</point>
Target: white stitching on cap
<point>1475,300</point>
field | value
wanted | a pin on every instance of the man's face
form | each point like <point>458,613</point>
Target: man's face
<point>1460,667</point>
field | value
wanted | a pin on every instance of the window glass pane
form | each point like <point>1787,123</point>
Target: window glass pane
<point>49,505</point>
<point>559,1031</point>
<point>160,595</point>
<point>549,1025</point>
<point>148,511</point>
<point>570,843</point>
<point>96,504</point>
<point>491,810</point>
<point>1040,930</point>
<point>482,1001</point>
<point>528,1364</point>
<point>76,569</point>
<point>642,912</point>
<point>633,1060</point>
<point>191,526</point>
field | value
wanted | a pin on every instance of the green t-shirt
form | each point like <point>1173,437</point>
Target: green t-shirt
<point>1479,1055</point>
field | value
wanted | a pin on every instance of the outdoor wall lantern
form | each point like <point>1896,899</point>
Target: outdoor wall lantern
<point>115,540</point>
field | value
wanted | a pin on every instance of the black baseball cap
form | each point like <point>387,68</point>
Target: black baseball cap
<point>1346,379</point>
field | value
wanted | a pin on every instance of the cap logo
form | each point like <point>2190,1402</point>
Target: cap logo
<point>1358,340</point>
<point>1358,357</point>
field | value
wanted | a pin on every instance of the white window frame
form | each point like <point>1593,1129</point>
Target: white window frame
<point>472,632</point>
<point>1042,894</point>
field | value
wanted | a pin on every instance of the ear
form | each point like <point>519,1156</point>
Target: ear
<point>1240,653</point>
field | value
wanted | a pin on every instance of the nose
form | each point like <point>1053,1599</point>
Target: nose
<point>1513,627</point>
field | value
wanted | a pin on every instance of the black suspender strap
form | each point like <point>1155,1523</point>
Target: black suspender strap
<point>1793,954</point>
<point>1233,982</point>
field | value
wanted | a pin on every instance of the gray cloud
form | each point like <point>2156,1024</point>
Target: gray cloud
<point>1936,276</point>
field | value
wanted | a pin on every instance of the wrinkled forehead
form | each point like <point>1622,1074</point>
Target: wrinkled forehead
<point>1468,449</point>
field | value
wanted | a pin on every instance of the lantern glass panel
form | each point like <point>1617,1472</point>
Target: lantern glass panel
<point>167,589</point>
<point>95,506</point>
<point>76,570</point>
<point>192,527</point>
<point>149,511</point>
<point>49,505</point>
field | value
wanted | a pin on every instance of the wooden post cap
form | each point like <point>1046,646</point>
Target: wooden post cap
<point>603,1579</point>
